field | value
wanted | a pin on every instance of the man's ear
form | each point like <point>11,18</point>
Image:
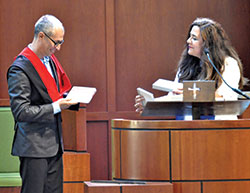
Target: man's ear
<point>40,35</point>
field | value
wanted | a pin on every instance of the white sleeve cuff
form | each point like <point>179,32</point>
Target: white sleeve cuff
<point>56,107</point>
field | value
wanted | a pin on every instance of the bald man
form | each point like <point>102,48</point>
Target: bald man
<point>36,85</point>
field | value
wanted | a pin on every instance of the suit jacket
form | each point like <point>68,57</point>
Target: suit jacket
<point>38,132</point>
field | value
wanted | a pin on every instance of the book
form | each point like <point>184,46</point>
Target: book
<point>166,85</point>
<point>149,97</point>
<point>81,94</point>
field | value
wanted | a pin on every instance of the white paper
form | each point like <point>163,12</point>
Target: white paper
<point>81,94</point>
<point>166,85</point>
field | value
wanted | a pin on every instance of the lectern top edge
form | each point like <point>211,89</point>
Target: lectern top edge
<point>197,108</point>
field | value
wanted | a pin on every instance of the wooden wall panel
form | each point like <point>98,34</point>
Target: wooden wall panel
<point>149,187</point>
<point>216,157</point>
<point>150,36</point>
<point>73,187</point>
<point>98,147</point>
<point>76,167</point>
<point>228,187</point>
<point>187,187</point>
<point>83,53</point>
<point>17,27</point>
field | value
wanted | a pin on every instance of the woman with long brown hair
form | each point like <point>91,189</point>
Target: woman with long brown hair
<point>207,34</point>
<point>194,64</point>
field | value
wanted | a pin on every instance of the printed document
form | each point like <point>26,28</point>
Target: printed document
<point>81,94</point>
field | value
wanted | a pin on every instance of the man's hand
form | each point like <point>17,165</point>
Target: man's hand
<point>66,103</point>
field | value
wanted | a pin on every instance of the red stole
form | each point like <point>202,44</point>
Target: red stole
<point>45,76</point>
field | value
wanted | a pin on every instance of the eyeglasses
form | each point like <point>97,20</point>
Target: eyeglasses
<point>57,43</point>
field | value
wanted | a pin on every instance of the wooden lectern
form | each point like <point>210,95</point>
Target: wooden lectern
<point>195,156</point>
<point>208,155</point>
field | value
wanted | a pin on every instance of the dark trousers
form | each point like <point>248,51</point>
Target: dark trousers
<point>42,175</point>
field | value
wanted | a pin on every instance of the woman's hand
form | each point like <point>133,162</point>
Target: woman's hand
<point>178,91</point>
<point>138,103</point>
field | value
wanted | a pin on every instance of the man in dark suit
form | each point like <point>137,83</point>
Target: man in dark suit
<point>36,84</point>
